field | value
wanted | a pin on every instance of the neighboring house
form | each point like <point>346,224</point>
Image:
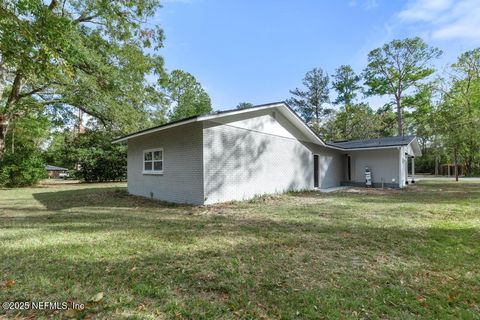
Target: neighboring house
<point>239,154</point>
<point>56,172</point>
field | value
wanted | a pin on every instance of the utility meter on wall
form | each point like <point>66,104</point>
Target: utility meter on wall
<point>368,177</point>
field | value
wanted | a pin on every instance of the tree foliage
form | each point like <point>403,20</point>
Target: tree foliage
<point>86,54</point>
<point>459,112</point>
<point>244,105</point>
<point>23,168</point>
<point>310,101</point>
<point>23,163</point>
<point>351,122</point>
<point>186,96</point>
<point>397,68</point>
<point>347,85</point>
<point>95,157</point>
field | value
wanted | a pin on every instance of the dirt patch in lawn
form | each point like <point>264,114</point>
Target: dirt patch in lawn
<point>372,191</point>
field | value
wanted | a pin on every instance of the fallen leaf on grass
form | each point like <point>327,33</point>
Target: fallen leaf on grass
<point>421,298</point>
<point>97,298</point>
<point>451,298</point>
<point>9,283</point>
<point>70,313</point>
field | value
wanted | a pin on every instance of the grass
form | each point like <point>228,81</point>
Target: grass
<point>355,254</point>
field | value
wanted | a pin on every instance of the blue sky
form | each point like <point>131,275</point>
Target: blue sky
<point>256,51</point>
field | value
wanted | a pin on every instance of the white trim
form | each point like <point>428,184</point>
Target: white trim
<point>235,112</point>
<point>168,126</point>
<point>312,134</point>
<point>153,171</point>
<point>419,153</point>
<point>360,149</point>
<point>293,117</point>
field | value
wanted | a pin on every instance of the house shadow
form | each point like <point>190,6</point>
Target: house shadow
<point>110,197</point>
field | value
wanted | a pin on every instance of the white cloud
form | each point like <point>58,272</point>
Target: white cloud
<point>365,4</point>
<point>444,19</point>
<point>424,10</point>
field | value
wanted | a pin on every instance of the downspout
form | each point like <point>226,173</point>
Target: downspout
<point>413,169</point>
<point>400,161</point>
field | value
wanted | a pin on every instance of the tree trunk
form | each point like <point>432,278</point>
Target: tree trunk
<point>455,164</point>
<point>3,77</point>
<point>4,125</point>
<point>13,141</point>
<point>436,165</point>
<point>399,117</point>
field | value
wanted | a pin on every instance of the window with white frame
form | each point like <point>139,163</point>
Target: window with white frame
<point>153,161</point>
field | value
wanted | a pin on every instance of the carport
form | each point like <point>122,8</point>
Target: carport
<point>386,158</point>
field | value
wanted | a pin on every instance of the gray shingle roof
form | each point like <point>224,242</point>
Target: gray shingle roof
<point>54,168</point>
<point>373,143</point>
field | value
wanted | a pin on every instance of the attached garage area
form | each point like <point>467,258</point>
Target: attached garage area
<point>389,161</point>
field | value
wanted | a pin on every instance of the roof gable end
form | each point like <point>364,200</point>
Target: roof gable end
<point>282,107</point>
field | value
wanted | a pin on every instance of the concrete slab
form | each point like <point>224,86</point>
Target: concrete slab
<point>333,189</point>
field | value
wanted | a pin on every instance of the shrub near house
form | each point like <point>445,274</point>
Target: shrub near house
<point>96,158</point>
<point>23,168</point>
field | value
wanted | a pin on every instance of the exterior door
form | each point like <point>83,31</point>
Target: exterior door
<point>315,171</point>
<point>349,167</point>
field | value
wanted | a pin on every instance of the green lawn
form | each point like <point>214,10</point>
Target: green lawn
<point>382,254</point>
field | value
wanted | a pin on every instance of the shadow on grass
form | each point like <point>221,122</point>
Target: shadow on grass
<point>282,270</point>
<point>115,197</point>
<point>432,193</point>
<point>185,264</point>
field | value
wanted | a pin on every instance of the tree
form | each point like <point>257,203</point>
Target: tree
<point>347,85</point>
<point>244,105</point>
<point>357,121</point>
<point>352,121</point>
<point>385,120</point>
<point>85,54</point>
<point>96,157</point>
<point>421,120</point>
<point>397,68</point>
<point>23,163</point>
<point>459,113</point>
<point>186,96</point>
<point>309,102</point>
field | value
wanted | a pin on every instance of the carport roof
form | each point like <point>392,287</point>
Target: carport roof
<point>54,168</point>
<point>373,143</point>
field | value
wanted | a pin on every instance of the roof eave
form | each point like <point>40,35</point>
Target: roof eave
<point>364,148</point>
<point>314,138</point>
<point>417,151</point>
<point>152,130</point>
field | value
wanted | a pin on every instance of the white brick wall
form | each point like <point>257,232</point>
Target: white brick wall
<point>240,164</point>
<point>182,181</point>
<point>238,159</point>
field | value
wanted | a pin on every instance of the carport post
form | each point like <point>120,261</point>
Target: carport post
<point>413,169</point>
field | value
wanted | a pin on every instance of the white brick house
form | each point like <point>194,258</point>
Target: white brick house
<point>236,155</point>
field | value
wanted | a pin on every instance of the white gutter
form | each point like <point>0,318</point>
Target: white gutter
<point>360,149</point>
